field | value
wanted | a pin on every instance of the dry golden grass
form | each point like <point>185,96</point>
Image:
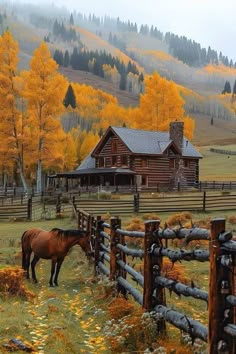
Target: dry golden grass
<point>12,283</point>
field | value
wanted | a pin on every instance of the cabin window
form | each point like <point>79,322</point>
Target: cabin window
<point>144,180</point>
<point>114,160</point>
<point>172,163</point>
<point>186,163</point>
<point>101,162</point>
<point>144,162</point>
<point>124,160</point>
<point>114,147</point>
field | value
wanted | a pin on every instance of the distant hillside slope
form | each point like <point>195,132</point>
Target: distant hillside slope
<point>150,54</point>
<point>125,98</point>
<point>222,132</point>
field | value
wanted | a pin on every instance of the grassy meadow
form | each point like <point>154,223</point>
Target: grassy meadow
<point>74,317</point>
<point>65,319</point>
<point>81,315</point>
<point>217,167</point>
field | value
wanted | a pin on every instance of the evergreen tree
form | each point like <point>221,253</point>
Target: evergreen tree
<point>66,60</point>
<point>227,88</point>
<point>71,20</point>
<point>234,88</point>
<point>70,99</point>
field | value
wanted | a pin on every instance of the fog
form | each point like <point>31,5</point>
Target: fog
<point>209,22</point>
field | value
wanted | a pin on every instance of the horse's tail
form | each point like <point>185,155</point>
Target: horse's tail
<point>23,251</point>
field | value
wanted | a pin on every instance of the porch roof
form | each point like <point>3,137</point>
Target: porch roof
<point>93,171</point>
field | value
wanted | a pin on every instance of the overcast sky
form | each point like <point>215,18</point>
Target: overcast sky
<point>209,22</point>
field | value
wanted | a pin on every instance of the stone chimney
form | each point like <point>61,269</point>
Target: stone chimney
<point>177,133</point>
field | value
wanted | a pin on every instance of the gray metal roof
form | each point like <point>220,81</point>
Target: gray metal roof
<point>151,142</point>
<point>99,171</point>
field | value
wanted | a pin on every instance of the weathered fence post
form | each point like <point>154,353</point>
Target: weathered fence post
<point>152,266</point>
<point>113,241</point>
<point>136,202</point>
<point>220,285</point>
<point>80,221</point>
<point>58,204</point>
<point>204,201</point>
<point>29,209</point>
<point>122,256</point>
<point>98,241</point>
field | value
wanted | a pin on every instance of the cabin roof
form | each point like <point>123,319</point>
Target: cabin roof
<point>148,142</point>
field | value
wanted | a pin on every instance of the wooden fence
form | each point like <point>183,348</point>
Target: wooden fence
<point>143,203</point>
<point>49,206</point>
<point>110,258</point>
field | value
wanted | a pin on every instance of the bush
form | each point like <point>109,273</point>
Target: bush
<point>232,219</point>
<point>179,218</point>
<point>11,283</point>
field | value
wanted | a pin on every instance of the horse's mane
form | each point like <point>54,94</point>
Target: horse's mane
<point>67,233</point>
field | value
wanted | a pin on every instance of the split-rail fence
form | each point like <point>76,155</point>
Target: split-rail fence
<point>111,254</point>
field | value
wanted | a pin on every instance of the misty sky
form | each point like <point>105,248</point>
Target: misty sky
<point>209,22</point>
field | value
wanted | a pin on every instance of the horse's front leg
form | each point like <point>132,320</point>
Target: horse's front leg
<point>33,264</point>
<point>58,267</point>
<point>53,267</point>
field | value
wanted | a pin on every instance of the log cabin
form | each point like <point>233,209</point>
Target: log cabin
<point>145,159</point>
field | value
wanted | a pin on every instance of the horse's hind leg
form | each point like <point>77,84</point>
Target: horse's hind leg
<point>33,264</point>
<point>27,264</point>
<point>58,267</point>
<point>53,267</point>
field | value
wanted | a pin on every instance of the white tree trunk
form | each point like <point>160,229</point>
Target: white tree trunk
<point>39,176</point>
<point>22,177</point>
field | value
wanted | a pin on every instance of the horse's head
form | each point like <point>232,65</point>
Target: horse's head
<point>85,244</point>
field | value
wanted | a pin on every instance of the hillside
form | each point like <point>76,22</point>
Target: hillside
<point>222,132</point>
<point>125,98</point>
<point>202,85</point>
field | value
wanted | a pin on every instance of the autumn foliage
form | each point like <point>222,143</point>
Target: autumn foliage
<point>12,283</point>
<point>31,131</point>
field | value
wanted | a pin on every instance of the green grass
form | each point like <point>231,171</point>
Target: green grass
<point>217,167</point>
<point>65,319</point>
<point>70,318</point>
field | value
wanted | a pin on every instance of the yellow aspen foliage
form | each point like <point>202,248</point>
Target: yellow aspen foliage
<point>44,91</point>
<point>12,121</point>
<point>111,114</point>
<point>88,144</point>
<point>161,104</point>
<point>70,153</point>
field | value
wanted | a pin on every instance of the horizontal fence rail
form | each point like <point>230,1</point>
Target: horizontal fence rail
<point>141,203</point>
<point>112,253</point>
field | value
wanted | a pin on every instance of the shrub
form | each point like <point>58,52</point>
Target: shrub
<point>134,332</point>
<point>232,219</point>
<point>151,216</point>
<point>11,283</point>
<point>179,218</point>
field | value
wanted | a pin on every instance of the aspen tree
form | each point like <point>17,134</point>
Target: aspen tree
<point>45,90</point>
<point>12,120</point>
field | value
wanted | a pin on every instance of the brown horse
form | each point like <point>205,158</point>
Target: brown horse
<point>54,245</point>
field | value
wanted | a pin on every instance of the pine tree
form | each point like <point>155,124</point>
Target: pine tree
<point>227,88</point>
<point>66,60</point>
<point>234,88</point>
<point>71,20</point>
<point>70,99</point>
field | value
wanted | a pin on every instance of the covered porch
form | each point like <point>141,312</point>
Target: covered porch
<point>97,178</point>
